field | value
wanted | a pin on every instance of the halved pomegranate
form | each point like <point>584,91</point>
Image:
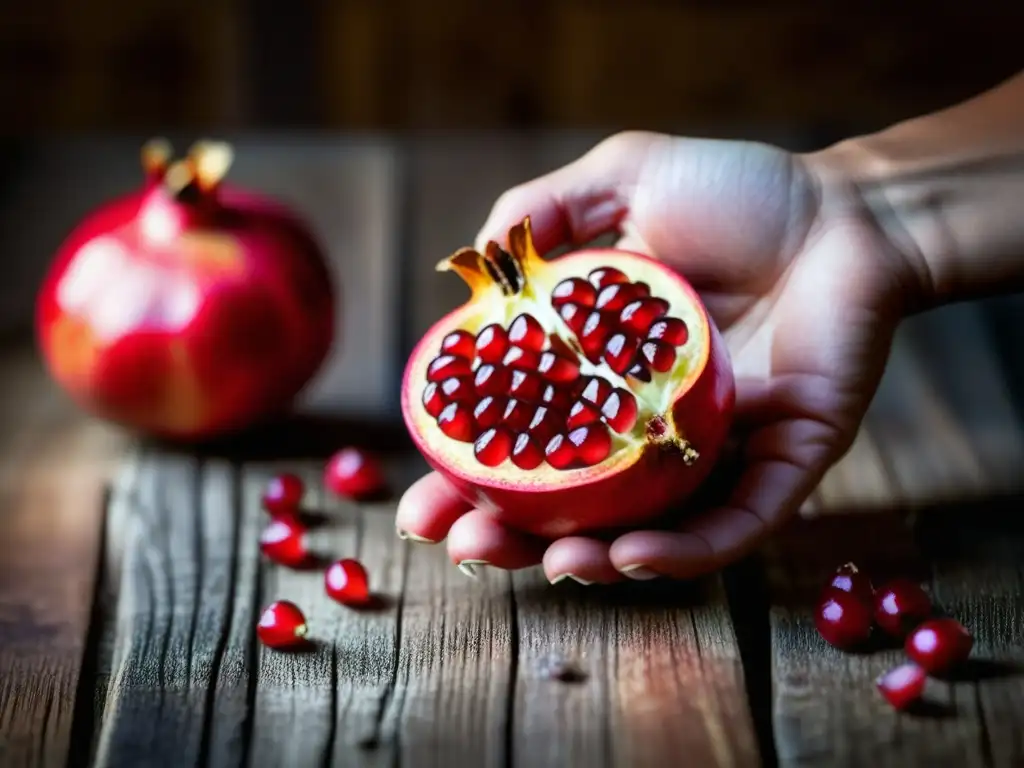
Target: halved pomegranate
<point>585,392</point>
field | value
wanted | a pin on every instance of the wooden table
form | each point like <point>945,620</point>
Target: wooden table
<point>130,578</point>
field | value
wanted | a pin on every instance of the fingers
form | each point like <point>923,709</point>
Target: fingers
<point>583,560</point>
<point>428,509</point>
<point>578,202</point>
<point>477,539</point>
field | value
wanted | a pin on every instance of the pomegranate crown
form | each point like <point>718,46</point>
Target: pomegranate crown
<point>509,270</point>
<point>201,170</point>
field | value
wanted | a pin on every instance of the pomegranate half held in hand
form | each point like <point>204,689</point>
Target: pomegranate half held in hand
<point>580,393</point>
<point>188,308</point>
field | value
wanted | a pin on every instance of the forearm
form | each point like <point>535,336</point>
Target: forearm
<point>948,191</point>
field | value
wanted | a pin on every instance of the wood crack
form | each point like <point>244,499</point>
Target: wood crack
<point>513,675</point>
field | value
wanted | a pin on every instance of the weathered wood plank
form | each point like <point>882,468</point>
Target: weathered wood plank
<point>56,465</point>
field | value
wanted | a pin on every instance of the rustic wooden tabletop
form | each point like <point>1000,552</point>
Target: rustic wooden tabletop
<point>131,581</point>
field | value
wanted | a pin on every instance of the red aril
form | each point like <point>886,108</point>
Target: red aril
<point>900,605</point>
<point>902,685</point>
<point>188,308</point>
<point>939,645</point>
<point>572,331</point>
<point>849,578</point>
<point>354,474</point>
<point>284,542</point>
<point>283,495</point>
<point>347,582</point>
<point>842,619</point>
<point>282,625</point>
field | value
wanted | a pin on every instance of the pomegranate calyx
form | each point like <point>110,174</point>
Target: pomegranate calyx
<point>664,435</point>
<point>156,156</point>
<point>195,176</point>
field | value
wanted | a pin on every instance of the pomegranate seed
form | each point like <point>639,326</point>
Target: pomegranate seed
<point>354,474</point>
<point>346,582</point>
<point>446,366</point>
<point>582,413</point>
<point>560,452</point>
<point>638,315</point>
<point>574,316</point>
<point>902,685</point>
<point>595,332</point>
<point>851,579</point>
<point>491,344</point>
<point>900,605</point>
<point>283,494</point>
<point>559,399</point>
<point>489,412</point>
<point>493,446</point>
<point>526,454</point>
<point>492,379</point>
<point>659,355</point>
<point>596,390</point>
<point>544,425</point>
<point>620,351</point>
<point>613,298</point>
<point>557,368</point>
<point>642,288</point>
<point>526,386</point>
<point>603,276</point>
<point>671,330</point>
<point>593,443</point>
<point>842,619</point>
<point>640,372</point>
<point>432,400</point>
<point>521,359</point>
<point>939,644</point>
<point>574,290</point>
<point>518,415</point>
<point>456,421</point>
<point>526,332</point>
<point>282,625</point>
<point>459,343</point>
<point>619,410</point>
<point>458,389</point>
<point>284,542</point>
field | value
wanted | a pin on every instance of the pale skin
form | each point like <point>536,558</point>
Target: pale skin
<point>807,263</point>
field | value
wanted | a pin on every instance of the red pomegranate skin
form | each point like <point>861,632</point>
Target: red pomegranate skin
<point>186,322</point>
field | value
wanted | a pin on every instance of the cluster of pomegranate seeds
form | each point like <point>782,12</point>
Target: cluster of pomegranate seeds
<point>518,395</point>
<point>850,608</point>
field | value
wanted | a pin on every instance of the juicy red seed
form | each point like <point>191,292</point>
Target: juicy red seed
<point>557,368</point>
<point>595,332</point>
<point>282,625</point>
<point>521,359</point>
<point>939,645</point>
<point>643,288</point>
<point>574,316</point>
<point>842,619</point>
<point>445,366</point>
<point>671,330</point>
<point>544,425</point>
<point>620,352</point>
<point>902,685</point>
<point>284,542</point>
<point>559,399</point>
<point>658,355</point>
<point>456,421</point>
<point>283,494</point>
<point>353,473</point>
<point>491,344</point>
<point>526,332</point>
<point>432,400</point>
<point>459,343</point>
<point>620,410</point>
<point>458,389</point>
<point>492,379</point>
<point>593,443</point>
<point>900,605</point>
<point>526,386</point>
<point>574,290</point>
<point>517,415</point>
<point>613,298</point>
<point>638,315</point>
<point>640,372</point>
<point>582,413</point>
<point>560,452</point>
<point>526,454</point>
<point>596,390</point>
<point>346,582</point>
<point>849,578</point>
<point>493,446</point>
<point>603,276</point>
<point>489,412</point>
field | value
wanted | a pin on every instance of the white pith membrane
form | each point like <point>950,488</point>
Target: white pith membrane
<point>500,302</point>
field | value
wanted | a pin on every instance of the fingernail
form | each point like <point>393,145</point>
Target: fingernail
<point>638,572</point>
<point>572,576</point>
<point>469,567</point>
<point>405,535</point>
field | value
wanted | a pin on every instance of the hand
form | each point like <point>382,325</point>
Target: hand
<point>805,288</point>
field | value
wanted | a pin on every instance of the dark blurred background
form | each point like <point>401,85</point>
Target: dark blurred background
<point>392,125</point>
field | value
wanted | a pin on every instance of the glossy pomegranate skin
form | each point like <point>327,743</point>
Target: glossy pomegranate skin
<point>192,336</point>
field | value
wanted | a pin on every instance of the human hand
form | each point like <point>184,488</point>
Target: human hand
<point>806,289</point>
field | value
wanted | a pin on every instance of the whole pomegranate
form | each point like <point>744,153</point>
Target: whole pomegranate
<point>187,308</point>
<point>584,392</point>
